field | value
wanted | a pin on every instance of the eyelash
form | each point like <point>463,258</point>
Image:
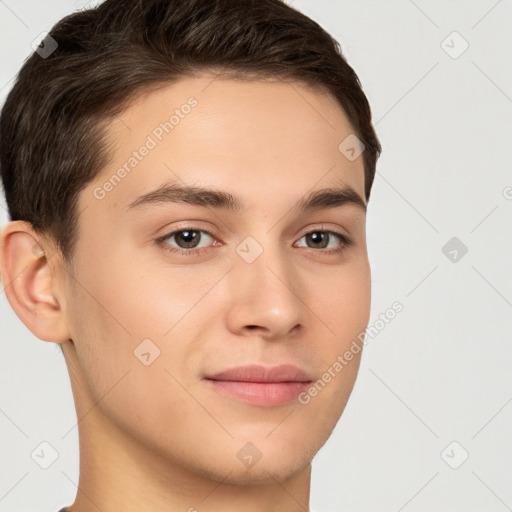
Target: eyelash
<point>160,242</point>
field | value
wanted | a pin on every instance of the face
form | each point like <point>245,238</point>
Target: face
<point>166,294</point>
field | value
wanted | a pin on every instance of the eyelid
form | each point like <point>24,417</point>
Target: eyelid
<point>196,227</point>
<point>188,226</point>
<point>327,227</point>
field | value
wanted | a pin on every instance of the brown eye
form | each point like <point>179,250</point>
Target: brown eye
<point>321,240</point>
<point>185,241</point>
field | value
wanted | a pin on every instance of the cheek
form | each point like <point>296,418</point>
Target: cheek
<point>122,311</point>
<point>104,310</point>
<point>153,296</point>
<point>345,303</point>
<point>345,309</point>
<point>106,330</point>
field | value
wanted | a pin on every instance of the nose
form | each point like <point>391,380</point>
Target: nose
<point>266,297</point>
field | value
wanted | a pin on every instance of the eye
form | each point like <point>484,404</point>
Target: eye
<point>187,239</point>
<point>321,239</point>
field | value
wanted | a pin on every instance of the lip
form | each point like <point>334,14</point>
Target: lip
<point>260,385</point>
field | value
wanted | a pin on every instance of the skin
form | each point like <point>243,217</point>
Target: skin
<point>156,438</point>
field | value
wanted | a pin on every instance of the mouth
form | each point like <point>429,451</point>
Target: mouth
<point>259,385</point>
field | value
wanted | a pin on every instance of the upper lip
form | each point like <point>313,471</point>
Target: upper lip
<point>258,373</point>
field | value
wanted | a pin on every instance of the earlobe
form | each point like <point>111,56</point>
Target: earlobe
<point>29,283</point>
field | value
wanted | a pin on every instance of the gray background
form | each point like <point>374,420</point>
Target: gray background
<point>439,372</point>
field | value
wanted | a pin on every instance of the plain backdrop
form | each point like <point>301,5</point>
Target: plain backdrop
<point>428,424</point>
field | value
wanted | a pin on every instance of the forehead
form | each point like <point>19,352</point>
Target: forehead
<point>240,136</point>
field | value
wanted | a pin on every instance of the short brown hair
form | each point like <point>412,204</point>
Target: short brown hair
<point>52,142</point>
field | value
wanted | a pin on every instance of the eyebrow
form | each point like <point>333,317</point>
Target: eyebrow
<point>332,197</point>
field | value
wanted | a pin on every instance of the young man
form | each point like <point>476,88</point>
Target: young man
<point>187,183</point>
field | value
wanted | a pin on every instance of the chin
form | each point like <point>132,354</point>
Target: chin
<point>262,473</point>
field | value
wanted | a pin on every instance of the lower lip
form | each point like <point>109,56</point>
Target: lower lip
<point>267,394</point>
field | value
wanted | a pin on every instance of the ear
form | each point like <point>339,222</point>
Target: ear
<point>30,283</point>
